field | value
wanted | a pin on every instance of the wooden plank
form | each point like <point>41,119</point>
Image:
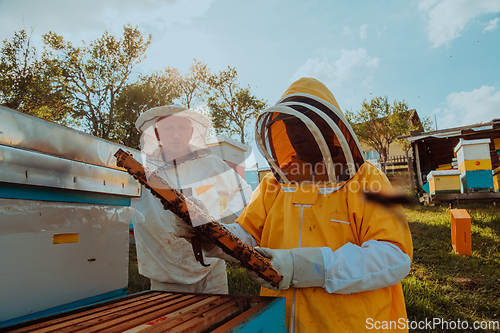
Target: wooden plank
<point>39,324</point>
<point>179,317</point>
<point>271,319</point>
<point>473,196</point>
<point>104,313</point>
<point>417,161</point>
<point>155,312</point>
<point>208,319</point>
<point>239,319</point>
<point>142,313</point>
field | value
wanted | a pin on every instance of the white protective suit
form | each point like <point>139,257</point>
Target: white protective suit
<point>164,258</point>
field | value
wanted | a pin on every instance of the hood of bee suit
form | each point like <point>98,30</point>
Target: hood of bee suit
<point>155,118</point>
<point>306,99</point>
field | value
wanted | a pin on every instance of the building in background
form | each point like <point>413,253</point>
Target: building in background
<point>437,151</point>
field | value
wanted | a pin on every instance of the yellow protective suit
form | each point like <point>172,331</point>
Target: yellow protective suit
<point>286,213</point>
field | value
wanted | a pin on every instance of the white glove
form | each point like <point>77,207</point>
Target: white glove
<point>300,267</point>
<point>181,228</point>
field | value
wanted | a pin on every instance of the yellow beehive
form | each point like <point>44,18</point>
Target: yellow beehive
<point>473,155</point>
<point>496,179</point>
<point>497,143</point>
<point>444,167</point>
<point>444,181</point>
<point>471,165</point>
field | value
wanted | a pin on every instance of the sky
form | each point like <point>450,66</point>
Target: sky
<point>440,56</point>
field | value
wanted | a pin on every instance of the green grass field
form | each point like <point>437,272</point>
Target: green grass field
<point>441,284</point>
<point>445,285</point>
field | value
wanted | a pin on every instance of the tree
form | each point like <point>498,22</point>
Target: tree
<point>193,86</point>
<point>379,124</point>
<point>159,88</point>
<point>94,75</point>
<point>27,84</point>
<point>231,107</point>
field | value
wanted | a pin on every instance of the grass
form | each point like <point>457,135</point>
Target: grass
<point>441,284</point>
<point>445,285</point>
<point>136,282</point>
<point>239,283</point>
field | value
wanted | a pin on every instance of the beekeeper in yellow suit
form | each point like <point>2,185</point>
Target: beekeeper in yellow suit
<point>342,257</point>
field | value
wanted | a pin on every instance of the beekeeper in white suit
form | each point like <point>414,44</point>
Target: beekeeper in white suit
<point>173,145</point>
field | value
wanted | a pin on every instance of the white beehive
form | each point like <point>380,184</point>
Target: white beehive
<point>64,218</point>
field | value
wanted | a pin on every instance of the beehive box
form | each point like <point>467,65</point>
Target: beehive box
<point>64,218</point>
<point>159,311</point>
<point>496,142</point>
<point>232,152</point>
<point>444,181</point>
<point>476,181</point>
<point>473,155</point>
<point>496,179</point>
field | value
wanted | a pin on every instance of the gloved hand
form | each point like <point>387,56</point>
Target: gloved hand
<point>301,267</point>
<point>181,228</point>
<point>282,260</point>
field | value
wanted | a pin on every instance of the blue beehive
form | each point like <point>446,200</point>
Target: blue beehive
<point>474,161</point>
<point>476,180</point>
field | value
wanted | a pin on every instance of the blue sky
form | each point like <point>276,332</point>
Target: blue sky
<point>440,56</point>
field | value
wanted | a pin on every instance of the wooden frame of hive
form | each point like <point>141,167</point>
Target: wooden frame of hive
<point>159,311</point>
<point>208,227</point>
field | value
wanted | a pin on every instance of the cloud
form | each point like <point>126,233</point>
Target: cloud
<point>158,57</point>
<point>373,62</point>
<point>169,22</point>
<point>363,31</point>
<point>368,81</point>
<point>493,24</point>
<point>469,107</point>
<point>337,71</point>
<point>346,31</point>
<point>89,19</point>
<point>448,18</point>
<point>381,31</point>
<point>161,15</point>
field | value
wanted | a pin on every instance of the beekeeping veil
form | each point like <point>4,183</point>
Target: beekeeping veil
<point>310,101</point>
<point>160,150</point>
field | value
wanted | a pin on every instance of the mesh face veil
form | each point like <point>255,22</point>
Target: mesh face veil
<point>321,120</point>
<point>176,157</point>
<point>172,135</point>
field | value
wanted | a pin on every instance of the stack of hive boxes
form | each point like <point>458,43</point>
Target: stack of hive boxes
<point>474,163</point>
<point>496,172</point>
